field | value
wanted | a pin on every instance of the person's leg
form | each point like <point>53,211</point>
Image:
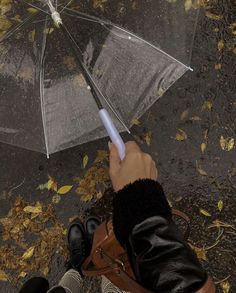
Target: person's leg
<point>71,282</point>
<point>108,287</point>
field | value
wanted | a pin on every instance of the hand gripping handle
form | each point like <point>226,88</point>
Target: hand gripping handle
<point>112,132</point>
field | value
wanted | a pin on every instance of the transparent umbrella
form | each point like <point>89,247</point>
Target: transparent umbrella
<point>66,68</point>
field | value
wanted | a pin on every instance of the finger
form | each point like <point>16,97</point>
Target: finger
<point>131,146</point>
<point>154,171</point>
<point>114,159</point>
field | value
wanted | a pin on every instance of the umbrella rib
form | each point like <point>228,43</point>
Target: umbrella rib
<point>66,6</point>
<point>104,22</point>
<point>41,81</point>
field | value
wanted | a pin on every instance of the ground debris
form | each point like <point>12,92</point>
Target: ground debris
<point>95,178</point>
<point>33,240</point>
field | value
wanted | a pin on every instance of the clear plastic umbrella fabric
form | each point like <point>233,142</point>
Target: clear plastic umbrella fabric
<point>134,50</point>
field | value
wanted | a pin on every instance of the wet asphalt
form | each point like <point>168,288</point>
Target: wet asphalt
<point>185,187</point>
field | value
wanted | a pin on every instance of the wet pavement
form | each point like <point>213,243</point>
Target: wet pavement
<point>203,105</point>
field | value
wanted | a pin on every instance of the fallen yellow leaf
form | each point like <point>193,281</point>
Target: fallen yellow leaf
<point>213,15</point>
<point>147,138</point>
<point>226,144</point>
<point>3,276</point>
<point>28,253</point>
<point>48,30</point>
<point>22,275</point>
<point>31,36</point>
<point>135,121</point>
<point>64,189</point>
<point>33,209</point>
<point>200,170</point>
<point>225,286</point>
<point>32,10</point>
<point>181,135</point>
<point>200,252</point>
<point>221,45</point>
<point>51,184</point>
<point>188,5</point>
<point>207,105</point>
<point>205,213</point>
<point>220,205</point>
<point>203,147</point>
<point>85,161</point>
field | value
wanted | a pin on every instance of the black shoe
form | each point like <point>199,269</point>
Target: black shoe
<point>35,285</point>
<point>78,245</point>
<point>91,225</point>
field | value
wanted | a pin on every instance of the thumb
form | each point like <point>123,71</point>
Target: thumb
<point>114,159</point>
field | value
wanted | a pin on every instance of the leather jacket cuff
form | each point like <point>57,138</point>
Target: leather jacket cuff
<point>135,203</point>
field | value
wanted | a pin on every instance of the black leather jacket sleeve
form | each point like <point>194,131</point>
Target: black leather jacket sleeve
<point>161,259</point>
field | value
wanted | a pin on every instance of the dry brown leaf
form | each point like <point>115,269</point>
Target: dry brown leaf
<point>5,24</point>
<point>205,213</point>
<point>225,286</point>
<point>218,66</point>
<point>99,4</point>
<point>3,276</point>
<point>86,197</point>
<point>220,205</point>
<point>79,80</point>
<point>102,156</point>
<point>184,114</point>
<point>99,195</point>
<point>195,118</point>
<point>203,147</point>
<point>233,28</point>
<point>28,253</point>
<point>227,144</point>
<point>213,16</point>
<point>218,224</point>
<point>181,135</point>
<point>200,252</point>
<point>85,161</point>
<point>205,134</point>
<point>71,219</point>
<point>64,189</point>
<point>46,271</point>
<point>70,62</point>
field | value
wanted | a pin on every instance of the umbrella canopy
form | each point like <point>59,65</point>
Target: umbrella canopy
<point>134,52</point>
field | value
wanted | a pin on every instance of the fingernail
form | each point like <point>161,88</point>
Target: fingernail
<point>109,145</point>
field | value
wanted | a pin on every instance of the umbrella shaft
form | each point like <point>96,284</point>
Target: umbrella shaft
<point>86,73</point>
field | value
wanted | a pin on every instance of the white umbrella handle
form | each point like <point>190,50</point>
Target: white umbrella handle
<point>112,132</point>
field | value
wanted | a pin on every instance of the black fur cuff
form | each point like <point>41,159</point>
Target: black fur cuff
<point>135,203</point>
